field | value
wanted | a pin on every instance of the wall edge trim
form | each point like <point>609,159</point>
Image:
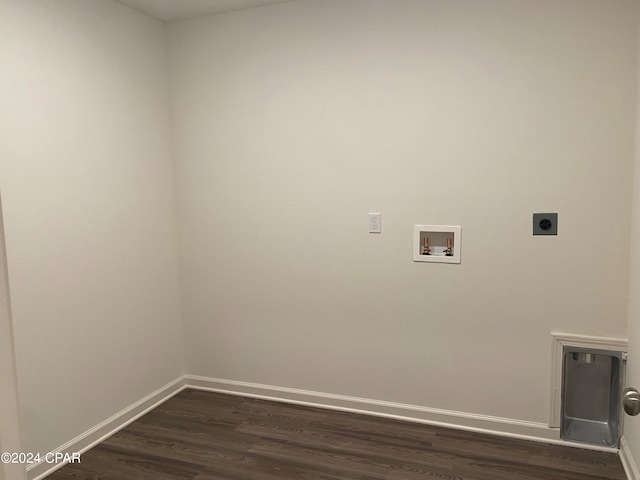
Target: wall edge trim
<point>628,463</point>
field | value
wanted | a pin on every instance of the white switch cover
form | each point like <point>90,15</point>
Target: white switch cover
<point>374,223</point>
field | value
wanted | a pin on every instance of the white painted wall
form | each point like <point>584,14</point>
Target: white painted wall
<point>631,424</point>
<point>86,174</point>
<point>293,122</point>
<point>9,420</point>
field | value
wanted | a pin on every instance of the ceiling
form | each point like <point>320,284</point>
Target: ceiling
<point>169,10</point>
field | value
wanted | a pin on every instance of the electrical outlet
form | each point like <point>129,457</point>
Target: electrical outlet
<point>374,223</point>
<point>545,224</point>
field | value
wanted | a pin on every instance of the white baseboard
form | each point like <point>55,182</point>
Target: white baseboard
<point>479,423</point>
<point>629,465</point>
<point>105,429</point>
<point>539,432</point>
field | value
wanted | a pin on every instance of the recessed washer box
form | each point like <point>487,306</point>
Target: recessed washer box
<point>437,243</point>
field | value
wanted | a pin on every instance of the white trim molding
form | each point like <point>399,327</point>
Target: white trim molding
<point>629,465</point>
<point>561,340</point>
<point>446,418</point>
<point>105,429</point>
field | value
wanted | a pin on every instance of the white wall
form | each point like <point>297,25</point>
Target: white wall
<point>632,425</point>
<point>9,420</point>
<point>293,122</point>
<point>87,182</point>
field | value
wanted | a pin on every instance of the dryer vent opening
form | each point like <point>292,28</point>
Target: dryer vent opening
<point>591,396</point>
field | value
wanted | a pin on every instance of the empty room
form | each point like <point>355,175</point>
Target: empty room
<point>322,239</point>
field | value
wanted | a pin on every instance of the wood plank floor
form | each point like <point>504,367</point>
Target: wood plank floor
<point>200,435</point>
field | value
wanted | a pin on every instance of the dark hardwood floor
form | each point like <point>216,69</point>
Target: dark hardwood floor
<point>208,436</point>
